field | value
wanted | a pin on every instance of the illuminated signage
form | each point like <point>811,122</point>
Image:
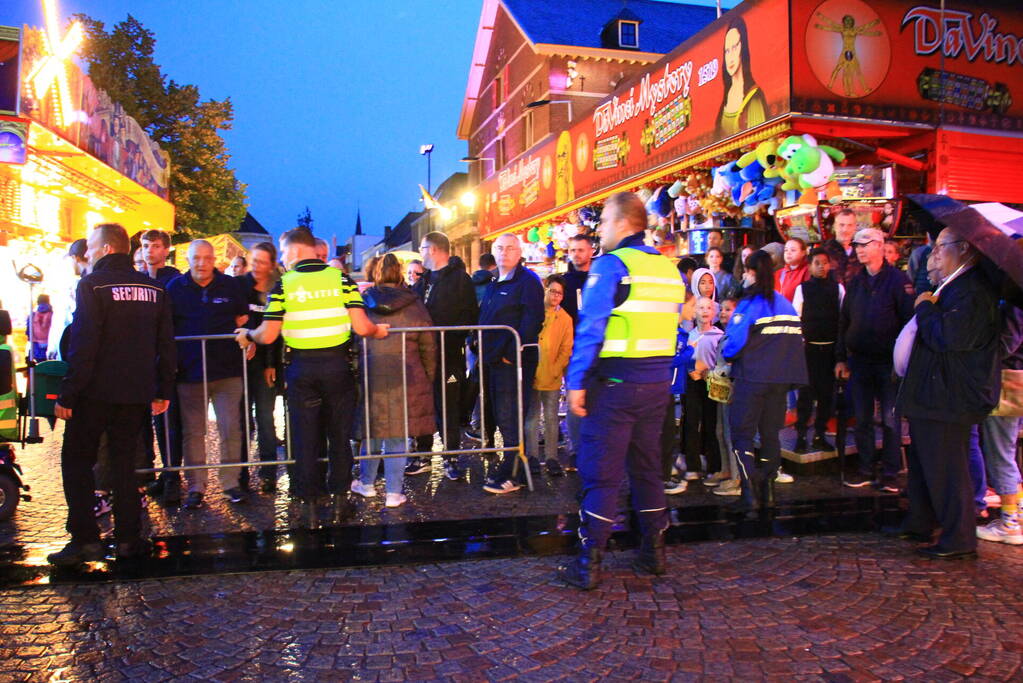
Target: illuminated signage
<point>49,76</point>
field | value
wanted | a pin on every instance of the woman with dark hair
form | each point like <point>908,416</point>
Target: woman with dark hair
<point>764,345</point>
<point>743,105</point>
<point>400,383</point>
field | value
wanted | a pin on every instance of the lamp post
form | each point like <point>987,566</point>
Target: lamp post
<point>544,103</point>
<point>427,150</point>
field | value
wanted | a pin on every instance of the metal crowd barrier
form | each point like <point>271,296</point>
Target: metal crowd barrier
<point>520,455</point>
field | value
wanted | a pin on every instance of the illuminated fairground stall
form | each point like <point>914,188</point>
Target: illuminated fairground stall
<point>70,158</point>
<point>778,114</point>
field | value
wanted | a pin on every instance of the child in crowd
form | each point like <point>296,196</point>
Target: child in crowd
<point>724,284</point>
<point>818,302</point>
<point>701,412</point>
<point>730,486</point>
<point>556,338</point>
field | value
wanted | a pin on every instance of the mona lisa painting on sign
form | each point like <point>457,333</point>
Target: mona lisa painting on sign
<point>743,104</point>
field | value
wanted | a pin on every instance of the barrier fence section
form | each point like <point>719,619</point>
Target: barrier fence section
<point>479,330</point>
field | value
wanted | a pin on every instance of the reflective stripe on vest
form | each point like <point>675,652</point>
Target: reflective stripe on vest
<point>645,325</point>
<point>315,315</point>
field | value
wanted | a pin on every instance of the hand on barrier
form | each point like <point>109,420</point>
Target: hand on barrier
<point>160,405</point>
<point>61,412</point>
<point>577,402</point>
<point>241,335</point>
<point>382,331</point>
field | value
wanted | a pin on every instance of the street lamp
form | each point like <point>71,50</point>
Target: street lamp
<point>427,150</point>
<point>544,103</point>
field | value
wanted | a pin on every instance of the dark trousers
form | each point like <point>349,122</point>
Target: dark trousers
<point>701,419</point>
<point>501,387</point>
<point>870,383</point>
<point>820,366</point>
<point>671,436</point>
<point>757,407</point>
<point>621,433</point>
<point>262,400</point>
<point>939,485</point>
<point>448,395</point>
<point>321,398</point>
<point>169,424</point>
<point>123,426</point>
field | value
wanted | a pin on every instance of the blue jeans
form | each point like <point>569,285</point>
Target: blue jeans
<point>870,383</point>
<point>394,468</point>
<point>501,387</point>
<point>977,477</point>
<point>321,398</point>
<point>262,399</point>
<point>999,443</point>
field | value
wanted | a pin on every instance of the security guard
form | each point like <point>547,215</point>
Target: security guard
<point>121,363</point>
<point>316,307</point>
<point>618,383</point>
<point>764,344</point>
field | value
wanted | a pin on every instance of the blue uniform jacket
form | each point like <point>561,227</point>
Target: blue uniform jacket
<point>681,362</point>
<point>764,342</point>
<point>604,290</point>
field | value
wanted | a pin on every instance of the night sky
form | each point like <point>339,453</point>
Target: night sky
<point>332,99</point>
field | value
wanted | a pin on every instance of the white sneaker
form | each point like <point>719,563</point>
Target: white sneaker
<point>364,490</point>
<point>783,478</point>
<point>998,532</point>
<point>393,500</point>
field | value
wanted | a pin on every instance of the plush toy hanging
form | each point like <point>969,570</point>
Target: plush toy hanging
<point>660,202</point>
<point>533,235</point>
<point>812,166</point>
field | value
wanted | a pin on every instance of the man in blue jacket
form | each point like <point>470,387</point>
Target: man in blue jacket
<point>618,382</point>
<point>514,299</point>
<point>121,362</point>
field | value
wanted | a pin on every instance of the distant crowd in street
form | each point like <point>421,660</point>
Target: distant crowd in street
<point>925,345</point>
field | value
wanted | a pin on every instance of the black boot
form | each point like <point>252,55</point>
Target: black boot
<point>767,491</point>
<point>800,446</point>
<point>748,503</point>
<point>583,571</point>
<point>650,557</point>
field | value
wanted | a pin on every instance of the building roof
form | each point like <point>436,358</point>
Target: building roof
<point>402,232</point>
<point>452,187</point>
<point>252,226</point>
<point>579,23</point>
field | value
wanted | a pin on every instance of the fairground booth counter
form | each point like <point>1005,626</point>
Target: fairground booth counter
<point>70,158</point>
<point>780,113</point>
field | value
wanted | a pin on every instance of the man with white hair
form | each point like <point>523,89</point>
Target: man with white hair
<point>205,302</point>
<point>514,299</point>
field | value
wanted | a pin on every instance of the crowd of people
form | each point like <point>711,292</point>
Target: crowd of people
<point>776,326</point>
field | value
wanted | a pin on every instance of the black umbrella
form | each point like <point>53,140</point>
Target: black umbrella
<point>993,229</point>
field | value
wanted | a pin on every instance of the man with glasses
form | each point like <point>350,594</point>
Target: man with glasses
<point>877,304</point>
<point>514,299</point>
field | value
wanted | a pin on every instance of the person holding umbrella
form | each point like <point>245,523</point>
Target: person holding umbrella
<point>952,382</point>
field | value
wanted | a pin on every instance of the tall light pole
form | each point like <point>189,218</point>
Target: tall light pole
<point>427,150</point>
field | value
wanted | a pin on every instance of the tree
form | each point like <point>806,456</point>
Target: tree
<point>207,196</point>
<point>305,220</point>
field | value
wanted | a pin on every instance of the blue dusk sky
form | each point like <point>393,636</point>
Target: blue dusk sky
<point>332,99</point>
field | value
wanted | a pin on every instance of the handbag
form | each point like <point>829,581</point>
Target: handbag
<point>1010,403</point>
<point>719,388</point>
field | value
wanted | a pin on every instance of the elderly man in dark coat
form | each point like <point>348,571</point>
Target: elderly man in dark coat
<point>952,382</point>
<point>395,412</point>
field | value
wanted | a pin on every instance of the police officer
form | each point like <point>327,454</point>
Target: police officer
<point>618,383</point>
<point>764,344</point>
<point>316,307</point>
<point>121,360</point>
<point>8,387</point>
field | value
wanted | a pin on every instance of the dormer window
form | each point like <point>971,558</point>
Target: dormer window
<point>628,34</point>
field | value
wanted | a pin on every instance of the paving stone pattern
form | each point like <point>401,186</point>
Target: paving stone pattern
<point>846,608</point>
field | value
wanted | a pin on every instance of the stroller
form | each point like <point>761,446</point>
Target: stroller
<point>19,415</point>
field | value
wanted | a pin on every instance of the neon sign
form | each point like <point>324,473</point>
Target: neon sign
<point>51,71</point>
<point>957,35</point>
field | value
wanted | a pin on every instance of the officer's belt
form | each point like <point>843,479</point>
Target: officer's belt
<point>319,353</point>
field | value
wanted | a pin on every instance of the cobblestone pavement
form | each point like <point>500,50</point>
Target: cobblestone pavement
<point>38,525</point>
<point>826,608</point>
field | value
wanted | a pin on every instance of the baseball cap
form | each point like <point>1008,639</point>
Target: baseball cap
<point>864,235</point>
<point>77,249</point>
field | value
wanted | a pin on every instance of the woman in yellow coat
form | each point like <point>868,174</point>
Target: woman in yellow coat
<point>555,351</point>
